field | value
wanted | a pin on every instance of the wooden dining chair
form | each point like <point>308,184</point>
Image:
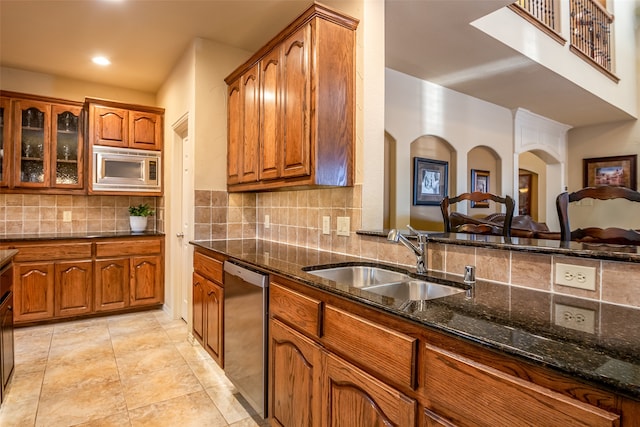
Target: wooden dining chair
<point>504,230</point>
<point>595,234</point>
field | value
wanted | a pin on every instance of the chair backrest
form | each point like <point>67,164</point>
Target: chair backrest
<point>478,197</point>
<point>596,234</point>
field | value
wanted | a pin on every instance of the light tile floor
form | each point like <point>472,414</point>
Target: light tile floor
<point>134,369</point>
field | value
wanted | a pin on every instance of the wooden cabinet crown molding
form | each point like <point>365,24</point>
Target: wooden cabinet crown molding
<point>123,105</point>
<point>315,11</point>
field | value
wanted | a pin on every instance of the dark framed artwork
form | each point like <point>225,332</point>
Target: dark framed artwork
<point>618,171</point>
<point>480,183</point>
<point>430,178</point>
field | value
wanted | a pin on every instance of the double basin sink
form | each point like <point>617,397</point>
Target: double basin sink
<point>385,282</point>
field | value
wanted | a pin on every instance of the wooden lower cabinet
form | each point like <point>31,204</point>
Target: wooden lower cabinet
<point>208,300</point>
<point>208,304</point>
<point>74,288</point>
<point>319,341</point>
<point>146,285</point>
<point>33,291</point>
<point>295,383</point>
<point>112,284</point>
<point>85,276</point>
<point>355,398</point>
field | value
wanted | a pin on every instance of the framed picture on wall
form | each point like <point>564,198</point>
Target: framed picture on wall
<point>430,178</point>
<point>480,183</point>
<point>618,171</point>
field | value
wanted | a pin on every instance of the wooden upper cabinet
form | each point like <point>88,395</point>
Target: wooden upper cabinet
<point>145,130</point>
<point>121,125</point>
<point>296,100</point>
<point>45,150</point>
<point>234,132</point>
<point>5,141</point>
<point>250,93</point>
<point>109,126</point>
<point>305,106</point>
<point>270,119</point>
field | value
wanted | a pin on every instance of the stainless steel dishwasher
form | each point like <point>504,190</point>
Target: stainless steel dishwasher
<point>246,296</point>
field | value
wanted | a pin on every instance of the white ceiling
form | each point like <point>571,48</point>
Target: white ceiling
<point>429,39</point>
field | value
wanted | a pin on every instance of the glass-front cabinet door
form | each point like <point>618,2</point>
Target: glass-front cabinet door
<point>32,120</point>
<point>66,146</point>
<point>5,140</point>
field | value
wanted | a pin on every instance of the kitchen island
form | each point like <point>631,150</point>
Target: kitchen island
<point>505,329</point>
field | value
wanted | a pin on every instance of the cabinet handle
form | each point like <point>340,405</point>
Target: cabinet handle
<point>180,235</point>
<point>209,293</point>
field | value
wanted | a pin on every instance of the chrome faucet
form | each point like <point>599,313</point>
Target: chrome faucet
<point>420,251</point>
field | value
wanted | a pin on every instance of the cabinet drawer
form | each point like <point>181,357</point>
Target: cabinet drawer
<point>128,247</point>
<point>469,393</point>
<point>210,268</point>
<point>47,251</point>
<point>297,310</point>
<point>377,349</point>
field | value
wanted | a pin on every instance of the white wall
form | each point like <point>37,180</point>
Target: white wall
<point>414,108</point>
<point>16,80</point>
<point>515,32</point>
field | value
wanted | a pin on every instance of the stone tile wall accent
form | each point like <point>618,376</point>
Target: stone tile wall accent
<point>35,213</point>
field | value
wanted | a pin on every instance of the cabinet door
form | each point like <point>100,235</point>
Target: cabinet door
<point>109,126</point>
<point>73,288</point>
<point>33,291</point>
<point>198,307</point>
<point>294,378</point>
<point>145,130</point>
<point>296,102</point>
<point>213,321</point>
<point>111,284</point>
<point>32,136</point>
<point>270,117</point>
<point>431,419</point>
<point>6,340</point>
<point>355,399</point>
<point>250,90</point>
<point>5,141</point>
<point>146,280</point>
<point>67,147</point>
<point>234,129</point>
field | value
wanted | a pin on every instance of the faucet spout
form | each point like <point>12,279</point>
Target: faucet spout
<point>420,251</point>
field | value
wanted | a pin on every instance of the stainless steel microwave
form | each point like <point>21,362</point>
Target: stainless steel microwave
<point>121,169</point>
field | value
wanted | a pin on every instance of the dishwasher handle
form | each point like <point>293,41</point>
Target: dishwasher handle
<point>249,276</point>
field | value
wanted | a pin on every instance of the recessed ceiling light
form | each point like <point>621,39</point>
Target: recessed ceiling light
<point>101,60</point>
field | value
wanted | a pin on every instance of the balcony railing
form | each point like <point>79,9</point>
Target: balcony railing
<point>542,10</point>
<point>590,27</point>
<point>591,31</point>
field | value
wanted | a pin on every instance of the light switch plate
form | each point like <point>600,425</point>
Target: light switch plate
<point>326,225</point>
<point>267,224</point>
<point>66,216</point>
<point>343,226</point>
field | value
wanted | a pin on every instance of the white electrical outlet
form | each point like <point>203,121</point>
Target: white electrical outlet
<point>343,226</point>
<point>576,276</point>
<point>579,319</point>
<point>326,225</point>
<point>266,221</point>
<point>66,216</point>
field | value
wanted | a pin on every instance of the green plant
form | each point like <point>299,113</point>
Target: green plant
<point>140,210</point>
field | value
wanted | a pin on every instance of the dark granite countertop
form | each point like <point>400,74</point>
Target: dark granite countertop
<point>68,236</point>
<point>545,246</point>
<point>516,321</point>
<point>6,255</point>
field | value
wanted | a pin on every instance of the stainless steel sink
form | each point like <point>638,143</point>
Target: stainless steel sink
<point>360,276</point>
<point>414,290</point>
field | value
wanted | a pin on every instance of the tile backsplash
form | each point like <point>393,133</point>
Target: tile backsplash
<point>34,213</point>
<point>295,218</point>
